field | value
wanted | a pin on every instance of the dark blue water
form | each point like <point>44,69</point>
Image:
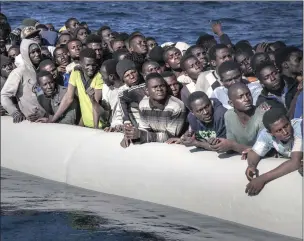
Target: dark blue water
<point>174,21</point>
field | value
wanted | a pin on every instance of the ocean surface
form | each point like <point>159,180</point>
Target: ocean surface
<point>34,209</point>
<point>174,21</point>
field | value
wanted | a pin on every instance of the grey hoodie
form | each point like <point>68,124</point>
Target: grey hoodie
<point>20,84</point>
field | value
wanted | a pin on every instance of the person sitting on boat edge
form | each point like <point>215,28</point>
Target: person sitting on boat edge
<point>283,135</point>
<point>50,97</point>
<point>243,122</point>
<point>230,73</point>
<point>110,91</point>
<point>206,121</point>
<point>21,84</point>
<point>88,82</point>
<point>161,116</point>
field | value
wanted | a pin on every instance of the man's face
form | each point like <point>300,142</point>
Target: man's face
<point>282,129</point>
<point>73,25</point>
<point>157,89</point>
<point>174,86</point>
<point>7,69</point>
<point>107,35</point>
<point>270,78</point>
<point>173,58</point>
<point>151,44</point>
<point>131,77</point>
<point>105,76</point>
<point>89,66</point>
<point>62,57</point>
<point>98,50</point>
<point>82,35</point>
<point>193,68</point>
<point>74,49</point>
<point>242,100</point>
<point>47,85</point>
<point>64,39</point>
<point>52,69</point>
<point>201,55</point>
<point>35,54</point>
<point>244,61</point>
<point>230,77</point>
<point>13,53</point>
<point>222,55</point>
<point>139,45</point>
<point>294,62</point>
<point>202,109</point>
<point>151,68</point>
<point>118,45</point>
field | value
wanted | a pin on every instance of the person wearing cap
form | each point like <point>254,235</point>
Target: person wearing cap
<point>110,93</point>
<point>88,82</point>
<point>21,84</point>
<point>6,66</point>
<point>182,46</point>
<point>132,92</point>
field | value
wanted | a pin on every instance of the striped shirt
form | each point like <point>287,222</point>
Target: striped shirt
<point>207,82</point>
<point>158,124</point>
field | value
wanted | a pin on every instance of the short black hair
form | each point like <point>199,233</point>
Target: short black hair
<point>72,40</point>
<point>60,47</point>
<point>283,55</point>
<point>254,60</point>
<point>167,74</point>
<point>228,66</point>
<point>262,66</point>
<point>248,52</point>
<point>243,45</point>
<point>41,26</point>
<point>124,36</point>
<point>43,73</point>
<point>102,28</point>
<point>133,36</point>
<point>67,23</point>
<point>87,53</point>
<point>63,34</point>
<point>278,44</point>
<point>235,87</point>
<point>184,59</point>
<point>148,62</point>
<point>44,63</point>
<point>116,55</point>
<point>166,50</point>
<point>213,49</point>
<point>273,115</point>
<point>196,95</point>
<point>93,38</point>
<point>153,76</point>
<point>118,39</point>
<point>150,38</point>
<point>204,38</point>
<point>191,48</point>
<point>110,66</point>
<point>13,47</point>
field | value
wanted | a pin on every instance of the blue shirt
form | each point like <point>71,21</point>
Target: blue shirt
<point>299,107</point>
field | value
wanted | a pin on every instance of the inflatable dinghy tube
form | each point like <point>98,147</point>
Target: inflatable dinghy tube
<point>160,173</point>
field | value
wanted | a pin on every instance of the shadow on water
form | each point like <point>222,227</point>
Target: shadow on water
<point>30,225</point>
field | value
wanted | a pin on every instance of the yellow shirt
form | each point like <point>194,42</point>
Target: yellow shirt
<point>86,106</point>
<point>62,29</point>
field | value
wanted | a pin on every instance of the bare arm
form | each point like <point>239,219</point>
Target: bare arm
<point>66,101</point>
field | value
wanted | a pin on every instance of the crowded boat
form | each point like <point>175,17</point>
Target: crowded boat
<point>215,95</point>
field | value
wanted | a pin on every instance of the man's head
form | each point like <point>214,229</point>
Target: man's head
<point>74,47</point>
<point>288,60</point>
<point>138,44</point>
<point>61,56</point>
<point>50,26</point>
<point>81,33</point>
<point>127,72</point>
<point>93,42</point>
<point>71,24</point>
<point>88,62</point>
<point>171,80</point>
<point>106,34</point>
<point>269,77</point>
<point>150,67</point>
<point>120,54</point>
<point>156,87</point>
<point>172,57</point>
<point>230,73</point>
<point>117,44</point>
<point>218,54</point>
<point>240,97</point>
<point>276,46</point>
<point>7,66</point>
<point>257,59</point>
<point>4,37</point>
<point>31,33</point>
<point>13,52</point>
<point>278,125</point>
<point>201,106</point>
<point>46,54</point>
<point>151,43</point>
<point>35,54</point>
<point>156,54</point>
<point>42,27</point>
<point>200,53</point>
<point>191,66</point>
<point>63,39</point>
<point>207,41</point>
<point>108,72</point>
<point>46,82</point>
<point>48,65</point>
<point>243,58</point>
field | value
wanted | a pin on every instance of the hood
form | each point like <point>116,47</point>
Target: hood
<point>24,51</point>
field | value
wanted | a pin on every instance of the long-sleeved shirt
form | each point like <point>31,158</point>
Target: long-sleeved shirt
<point>158,124</point>
<point>129,101</point>
<point>208,81</point>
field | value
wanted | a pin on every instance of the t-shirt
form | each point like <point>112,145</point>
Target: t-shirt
<point>215,129</point>
<point>86,106</point>
<point>241,134</point>
<point>299,107</point>
<point>266,141</point>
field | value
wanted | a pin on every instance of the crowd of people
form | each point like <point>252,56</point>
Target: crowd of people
<point>218,96</point>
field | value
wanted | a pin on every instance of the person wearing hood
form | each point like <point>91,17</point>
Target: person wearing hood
<point>21,83</point>
<point>206,121</point>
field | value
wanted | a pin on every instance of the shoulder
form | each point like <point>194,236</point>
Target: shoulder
<point>144,103</point>
<point>229,114</point>
<point>176,104</point>
<point>297,126</point>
